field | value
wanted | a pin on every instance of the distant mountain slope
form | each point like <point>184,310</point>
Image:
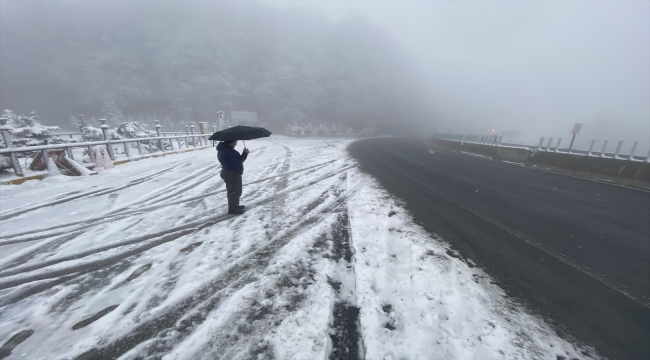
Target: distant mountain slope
<point>186,61</point>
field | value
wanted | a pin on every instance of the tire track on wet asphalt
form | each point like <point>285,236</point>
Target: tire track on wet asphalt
<point>13,213</point>
<point>20,275</point>
<point>21,237</point>
<point>239,273</point>
<point>612,285</point>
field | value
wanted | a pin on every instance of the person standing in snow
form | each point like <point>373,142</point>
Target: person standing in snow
<point>232,168</point>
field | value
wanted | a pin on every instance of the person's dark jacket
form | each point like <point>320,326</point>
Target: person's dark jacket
<point>230,158</point>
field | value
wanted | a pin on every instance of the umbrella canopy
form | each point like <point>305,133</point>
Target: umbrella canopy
<point>240,132</point>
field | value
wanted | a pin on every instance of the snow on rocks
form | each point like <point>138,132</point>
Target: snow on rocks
<point>144,262</point>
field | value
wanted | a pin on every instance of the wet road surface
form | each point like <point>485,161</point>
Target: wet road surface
<point>572,250</point>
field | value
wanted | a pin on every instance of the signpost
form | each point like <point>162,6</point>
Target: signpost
<point>220,118</point>
<point>576,130</point>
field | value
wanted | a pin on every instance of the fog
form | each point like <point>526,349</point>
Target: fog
<point>535,68</point>
<point>532,67</point>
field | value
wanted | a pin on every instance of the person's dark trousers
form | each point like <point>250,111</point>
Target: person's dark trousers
<point>234,188</point>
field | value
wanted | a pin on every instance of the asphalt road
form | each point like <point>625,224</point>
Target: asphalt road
<point>574,251</point>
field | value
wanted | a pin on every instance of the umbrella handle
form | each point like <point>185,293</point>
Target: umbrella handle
<point>244,143</point>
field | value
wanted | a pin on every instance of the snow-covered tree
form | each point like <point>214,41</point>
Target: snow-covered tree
<point>293,129</point>
<point>27,130</point>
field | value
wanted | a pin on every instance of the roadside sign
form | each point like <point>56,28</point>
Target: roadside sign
<point>576,128</point>
<point>203,127</point>
<point>243,117</point>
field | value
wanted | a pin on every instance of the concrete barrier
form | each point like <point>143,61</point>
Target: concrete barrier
<point>513,154</point>
<point>560,160</point>
<point>630,172</point>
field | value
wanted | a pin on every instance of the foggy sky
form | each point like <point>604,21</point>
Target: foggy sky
<point>534,67</point>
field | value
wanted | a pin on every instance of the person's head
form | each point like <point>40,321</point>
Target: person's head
<point>232,143</point>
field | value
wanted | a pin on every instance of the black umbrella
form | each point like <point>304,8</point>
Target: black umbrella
<point>240,132</point>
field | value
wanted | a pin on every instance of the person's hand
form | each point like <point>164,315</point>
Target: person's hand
<point>246,150</point>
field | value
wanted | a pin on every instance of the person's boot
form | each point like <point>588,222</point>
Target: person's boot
<point>241,206</point>
<point>236,211</point>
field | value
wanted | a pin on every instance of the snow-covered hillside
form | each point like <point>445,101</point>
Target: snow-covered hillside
<point>142,262</point>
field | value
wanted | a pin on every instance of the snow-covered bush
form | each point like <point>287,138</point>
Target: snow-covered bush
<point>91,133</point>
<point>27,130</point>
<point>134,129</point>
<point>5,163</point>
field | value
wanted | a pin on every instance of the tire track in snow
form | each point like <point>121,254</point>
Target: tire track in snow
<point>18,276</point>
<point>344,333</point>
<point>241,272</point>
<point>20,237</point>
<point>187,181</point>
<point>13,213</point>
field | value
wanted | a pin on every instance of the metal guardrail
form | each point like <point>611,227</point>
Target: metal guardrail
<point>495,140</point>
<point>162,141</point>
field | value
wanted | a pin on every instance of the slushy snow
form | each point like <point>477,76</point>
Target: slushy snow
<point>142,261</point>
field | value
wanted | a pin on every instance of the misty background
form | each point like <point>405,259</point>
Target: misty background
<point>412,67</point>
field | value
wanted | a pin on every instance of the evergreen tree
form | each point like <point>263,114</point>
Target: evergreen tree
<point>28,130</point>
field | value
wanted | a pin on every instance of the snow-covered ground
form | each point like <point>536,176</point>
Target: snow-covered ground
<point>142,262</point>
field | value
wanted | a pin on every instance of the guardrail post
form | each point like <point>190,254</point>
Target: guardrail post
<point>139,147</point>
<point>557,146</point>
<point>127,150</point>
<point>193,138</point>
<point>591,147</point>
<point>158,132</point>
<point>109,148</point>
<point>602,152</point>
<point>46,158</point>
<point>481,141</point>
<point>69,152</point>
<point>548,145</point>
<point>541,142</point>
<point>6,136</point>
<point>618,149</point>
<point>91,153</point>
<point>187,130</point>
<point>179,143</point>
<point>647,158</point>
<point>499,139</point>
<point>631,157</point>
<point>150,147</point>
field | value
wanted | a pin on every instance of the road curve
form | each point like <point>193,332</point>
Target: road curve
<point>575,251</point>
